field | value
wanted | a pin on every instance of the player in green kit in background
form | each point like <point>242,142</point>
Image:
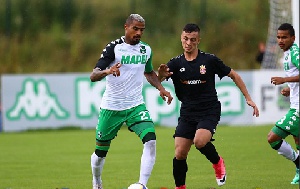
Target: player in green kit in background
<point>124,62</point>
<point>288,124</point>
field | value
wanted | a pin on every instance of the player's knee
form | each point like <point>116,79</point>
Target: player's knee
<point>149,136</point>
<point>181,153</point>
<point>276,145</point>
<point>180,156</point>
<point>269,137</point>
<point>272,137</point>
<point>200,144</point>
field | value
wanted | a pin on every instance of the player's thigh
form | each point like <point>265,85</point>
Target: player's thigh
<point>209,123</point>
<point>109,123</point>
<point>288,124</point>
<point>139,121</point>
<point>185,128</point>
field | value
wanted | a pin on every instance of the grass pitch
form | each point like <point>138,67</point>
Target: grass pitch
<point>60,159</point>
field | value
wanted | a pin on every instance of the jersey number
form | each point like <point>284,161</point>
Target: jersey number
<point>282,120</point>
<point>143,115</point>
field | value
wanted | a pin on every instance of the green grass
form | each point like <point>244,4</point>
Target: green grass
<point>59,159</point>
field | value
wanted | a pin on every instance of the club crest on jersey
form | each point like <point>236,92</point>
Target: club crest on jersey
<point>143,49</point>
<point>202,69</point>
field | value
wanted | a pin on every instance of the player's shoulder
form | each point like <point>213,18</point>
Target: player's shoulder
<point>116,42</point>
<point>176,58</point>
<point>206,54</point>
<point>294,48</point>
<point>144,43</point>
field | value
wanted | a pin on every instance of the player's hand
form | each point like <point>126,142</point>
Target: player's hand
<point>164,71</point>
<point>255,109</point>
<point>285,91</point>
<point>166,95</point>
<point>277,80</point>
<point>115,69</point>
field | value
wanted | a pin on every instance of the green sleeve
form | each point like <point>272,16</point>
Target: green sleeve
<point>149,67</point>
<point>295,55</point>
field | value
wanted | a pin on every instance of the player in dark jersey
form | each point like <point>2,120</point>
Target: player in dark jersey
<point>193,75</point>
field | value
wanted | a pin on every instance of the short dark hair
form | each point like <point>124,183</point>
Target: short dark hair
<point>191,28</point>
<point>287,26</point>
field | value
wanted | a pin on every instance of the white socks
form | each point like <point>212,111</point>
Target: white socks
<point>287,151</point>
<point>97,166</point>
<point>147,161</point>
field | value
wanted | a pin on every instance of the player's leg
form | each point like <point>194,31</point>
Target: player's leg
<point>180,167</point>
<point>203,144</point>
<point>184,134</point>
<point>140,122</point>
<point>106,130</point>
<point>287,125</point>
<point>295,132</point>
<point>296,177</point>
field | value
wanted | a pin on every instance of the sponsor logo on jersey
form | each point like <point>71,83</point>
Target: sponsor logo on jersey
<point>202,69</point>
<point>192,82</point>
<point>134,59</point>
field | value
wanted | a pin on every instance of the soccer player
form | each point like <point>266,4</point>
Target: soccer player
<point>193,75</point>
<point>288,124</point>
<point>124,62</point>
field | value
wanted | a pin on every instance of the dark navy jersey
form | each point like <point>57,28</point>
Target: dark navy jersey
<point>194,81</point>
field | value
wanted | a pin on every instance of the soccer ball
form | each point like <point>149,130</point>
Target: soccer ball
<point>137,186</point>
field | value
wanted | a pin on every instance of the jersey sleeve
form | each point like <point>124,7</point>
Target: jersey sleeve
<point>149,66</point>
<point>295,55</point>
<point>107,56</point>
<point>172,66</point>
<point>220,68</point>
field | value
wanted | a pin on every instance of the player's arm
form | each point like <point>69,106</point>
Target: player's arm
<point>163,72</point>
<point>152,78</point>
<point>98,74</point>
<point>285,91</point>
<point>282,80</point>
<point>236,78</point>
<point>295,61</point>
<point>102,68</point>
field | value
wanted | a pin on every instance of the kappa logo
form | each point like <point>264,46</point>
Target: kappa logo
<point>287,128</point>
<point>182,69</point>
<point>35,101</point>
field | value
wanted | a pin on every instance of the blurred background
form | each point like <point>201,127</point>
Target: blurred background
<point>39,36</point>
<point>56,37</point>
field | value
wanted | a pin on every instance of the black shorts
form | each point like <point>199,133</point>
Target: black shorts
<point>188,125</point>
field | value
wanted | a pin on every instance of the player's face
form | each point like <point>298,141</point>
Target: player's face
<point>284,39</point>
<point>134,32</point>
<point>190,41</point>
